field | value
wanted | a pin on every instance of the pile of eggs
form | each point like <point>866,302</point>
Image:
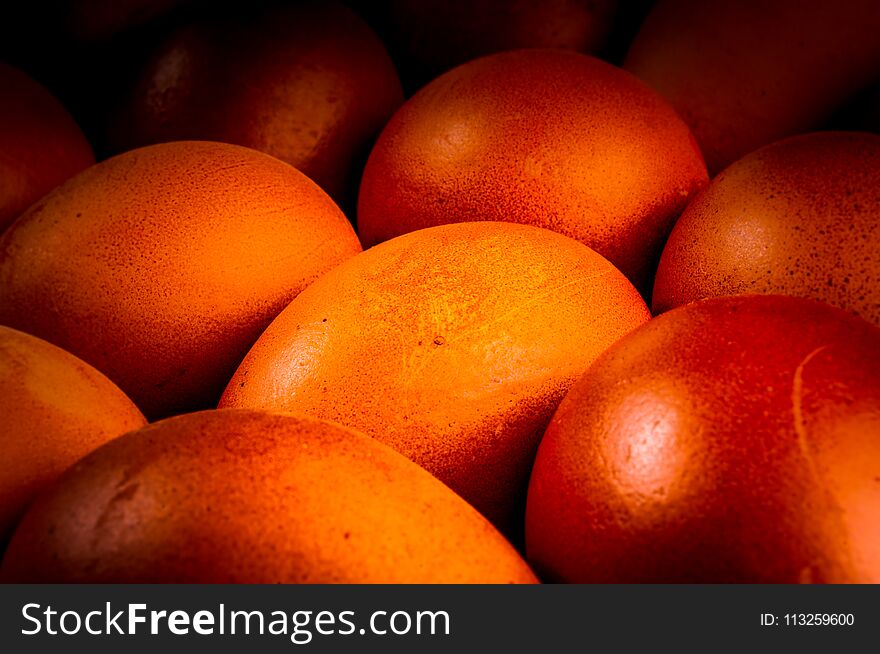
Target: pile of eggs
<point>433,292</point>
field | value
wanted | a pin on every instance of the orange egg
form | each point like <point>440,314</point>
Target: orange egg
<point>549,138</point>
<point>160,267</point>
<point>799,217</point>
<point>250,497</point>
<point>731,440</point>
<point>40,144</point>
<point>745,74</point>
<point>56,409</point>
<point>453,345</point>
<point>311,85</point>
<point>432,36</point>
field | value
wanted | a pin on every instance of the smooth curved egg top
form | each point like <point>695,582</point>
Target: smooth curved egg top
<point>55,409</point>
<point>799,217</point>
<point>549,138</point>
<point>733,440</point>
<point>161,266</point>
<point>452,344</point>
<point>251,497</point>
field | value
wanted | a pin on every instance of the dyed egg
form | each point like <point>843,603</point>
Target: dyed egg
<point>311,85</point>
<point>56,409</point>
<point>250,497</point>
<point>745,74</point>
<point>160,267</point>
<point>453,345</point>
<point>799,217</point>
<point>731,440</point>
<point>40,144</point>
<point>544,137</point>
<point>433,36</point>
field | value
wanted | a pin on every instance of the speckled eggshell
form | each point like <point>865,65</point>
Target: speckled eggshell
<point>251,497</point>
<point>40,144</point>
<point>432,36</point>
<point>549,138</point>
<point>309,84</point>
<point>745,74</point>
<point>731,440</point>
<point>799,217</point>
<point>160,267</point>
<point>453,345</point>
<point>55,409</point>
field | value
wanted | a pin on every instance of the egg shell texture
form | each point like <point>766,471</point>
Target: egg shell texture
<point>799,217</point>
<point>453,345</point>
<point>161,266</point>
<point>55,409</point>
<point>731,440</point>
<point>549,138</point>
<point>250,497</point>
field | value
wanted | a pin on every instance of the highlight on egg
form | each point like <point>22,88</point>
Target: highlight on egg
<point>55,409</point>
<point>548,138</point>
<point>161,266</point>
<point>251,497</point>
<point>453,345</point>
<point>799,217</point>
<point>729,440</point>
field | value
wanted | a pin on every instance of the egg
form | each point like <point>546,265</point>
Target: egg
<point>730,440</point>
<point>432,36</point>
<point>746,74</point>
<point>250,497</point>
<point>453,345</point>
<point>799,217</point>
<point>548,138</point>
<point>56,409</point>
<point>310,84</point>
<point>160,267</point>
<point>40,144</point>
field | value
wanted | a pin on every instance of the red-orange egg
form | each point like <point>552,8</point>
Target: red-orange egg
<point>730,440</point>
<point>311,85</point>
<point>432,36</point>
<point>40,144</point>
<point>745,74</point>
<point>160,267</point>
<point>799,217</point>
<point>56,409</point>
<point>251,497</point>
<point>549,138</point>
<point>453,345</point>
